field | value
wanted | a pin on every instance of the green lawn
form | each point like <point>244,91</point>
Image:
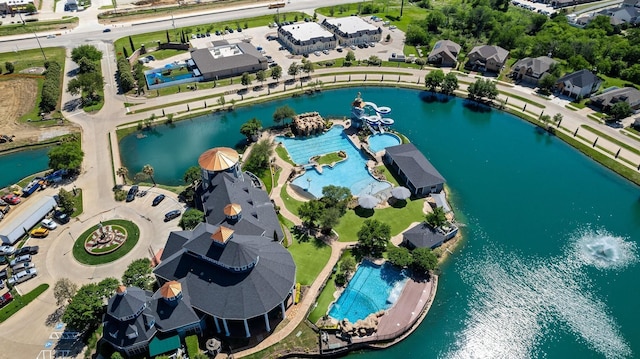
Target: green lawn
<point>301,339</point>
<point>77,200</point>
<point>329,158</point>
<point>133,234</point>
<point>613,81</point>
<point>282,153</point>
<point>390,12</point>
<point>326,296</point>
<point>398,218</point>
<point>290,203</point>
<point>20,301</point>
<point>31,58</point>
<point>36,26</point>
<point>310,256</point>
<point>390,176</point>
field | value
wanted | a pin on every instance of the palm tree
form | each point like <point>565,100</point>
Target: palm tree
<point>436,218</point>
<point>122,171</point>
<point>148,170</point>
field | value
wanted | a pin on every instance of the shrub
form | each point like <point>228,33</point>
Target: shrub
<point>50,87</point>
<point>125,78</point>
<point>120,195</point>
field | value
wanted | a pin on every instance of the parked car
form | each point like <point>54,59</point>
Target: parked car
<point>5,209</point>
<point>22,276</point>
<point>2,202</point>
<point>326,52</point>
<point>40,232</point>
<point>132,193</point>
<point>22,266</point>
<point>7,250</point>
<point>317,53</point>
<point>27,250</point>
<point>156,201</point>
<point>5,299</point>
<point>1,284</point>
<point>339,49</point>
<point>352,47</point>
<point>11,198</point>
<point>61,217</point>
<point>3,274</point>
<point>171,215</point>
<point>20,259</point>
<point>4,260</point>
<point>49,224</point>
<point>51,36</point>
<point>106,30</point>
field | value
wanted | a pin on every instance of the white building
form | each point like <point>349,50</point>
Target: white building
<point>306,38</point>
<point>12,6</point>
<point>353,30</point>
<point>26,216</point>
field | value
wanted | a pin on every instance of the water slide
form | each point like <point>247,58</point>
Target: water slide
<point>376,119</point>
<point>381,110</point>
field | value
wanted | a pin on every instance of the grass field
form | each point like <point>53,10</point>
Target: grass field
<point>302,338</point>
<point>310,256</point>
<point>36,26</point>
<point>329,158</point>
<point>133,234</point>
<point>398,218</point>
<point>326,296</point>
<point>33,58</point>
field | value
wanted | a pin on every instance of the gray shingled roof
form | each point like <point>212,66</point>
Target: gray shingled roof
<point>538,65</point>
<point>257,208</point>
<point>123,306</point>
<point>207,64</point>
<point>423,236</point>
<point>228,294</point>
<point>628,94</point>
<point>415,166</point>
<point>445,48</point>
<point>487,52</point>
<point>583,78</point>
<point>170,316</point>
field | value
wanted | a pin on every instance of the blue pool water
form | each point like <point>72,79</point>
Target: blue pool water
<point>155,78</point>
<point>371,289</point>
<point>351,173</point>
<point>381,141</point>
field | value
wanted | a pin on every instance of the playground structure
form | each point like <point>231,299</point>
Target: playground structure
<point>368,114</point>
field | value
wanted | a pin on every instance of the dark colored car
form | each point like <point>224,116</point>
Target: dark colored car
<point>172,215</point>
<point>4,260</point>
<point>5,299</point>
<point>132,193</point>
<point>3,274</point>
<point>27,250</point>
<point>61,217</point>
<point>106,30</point>
<point>157,200</point>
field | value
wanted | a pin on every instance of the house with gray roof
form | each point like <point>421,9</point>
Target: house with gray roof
<point>605,100</point>
<point>423,235</point>
<point>414,169</point>
<point>487,58</point>
<point>141,322</point>
<point>622,15</point>
<point>306,38</point>
<point>579,84</point>
<point>444,53</point>
<point>352,30</point>
<point>531,70</point>
<point>227,60</point>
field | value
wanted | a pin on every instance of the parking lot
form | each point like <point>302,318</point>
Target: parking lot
<point>538,7</point>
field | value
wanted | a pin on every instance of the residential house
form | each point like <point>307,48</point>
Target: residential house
<point>444,53</point>
<point>424,236</point>
<point>579,84</point>
<point>487,58</point>
<point>605,100</point>
<point>531,70</point>
<point>414,169</point>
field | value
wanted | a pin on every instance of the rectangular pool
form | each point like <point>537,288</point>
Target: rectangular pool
<point>371,289</point>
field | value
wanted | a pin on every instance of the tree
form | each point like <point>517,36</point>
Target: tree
<point>416,35</point>
<point>67,155</point>
<point>351,56</point>
<point>424,260</point>
<point>66,202</point>
<point>261,76</point>
<point>245,80</point>
<point>258,160</point>
<point>433,80</point>
<point>449,84</point>
<point>276,72</point>
<point>310,212</point>
<point>251,128</point>
<point>116,355</point>
<point>436,218</point>
<point>557,118</point>
<point>283,112</point>
<point>620,110</point>
<point>85,66</point>
<point>348,265</point>
<point>87,306</point>
<point>329,218</point>
<point>547,83</point>
<point>148,170</point>
<point>30,8</point>
<point>89,52</point>
<point>64,290</point>
<point>191,218</point>
<point>374,60</point>
<point>373,237</point>
<point>294,69</point>
<point>336,197</point>
<point>482,88</point>
<point>191,175</point>
<point>9,66</point>
<point>420,62</point>
<point>138,274</point>
<point>307,67</point>
<point>123,172</point>
<point>87,83</point>
<point>399,256</point>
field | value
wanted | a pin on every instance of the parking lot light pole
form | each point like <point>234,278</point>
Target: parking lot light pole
<point>34,35</point>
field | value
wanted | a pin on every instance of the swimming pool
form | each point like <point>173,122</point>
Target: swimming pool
<point>380,141</point>
<point>371,289</point>
<point>351,173</point>
<point>165,74</point>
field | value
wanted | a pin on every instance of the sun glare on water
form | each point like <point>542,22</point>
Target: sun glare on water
<point>516,302</point>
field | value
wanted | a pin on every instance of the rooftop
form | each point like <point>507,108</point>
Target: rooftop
<point>351,24</point>
<point>307,31</point>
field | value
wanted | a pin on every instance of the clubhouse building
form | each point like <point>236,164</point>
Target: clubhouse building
<point>306,38</point>
<point>229,276</point>
<point>352,30</point>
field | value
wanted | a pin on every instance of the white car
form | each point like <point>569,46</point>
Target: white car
<point>6,250</point>
<point>49,224</point>
<point>24,258</point>
<point>22,276</point>
<point>22,266</point>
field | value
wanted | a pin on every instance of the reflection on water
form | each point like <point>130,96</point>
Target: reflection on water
<point>516,302</point>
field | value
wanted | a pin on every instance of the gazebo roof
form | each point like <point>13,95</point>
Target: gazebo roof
<point>222,235</point>
<point>218,159</point>
<point>171,289</point>
<point>232,209</point>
